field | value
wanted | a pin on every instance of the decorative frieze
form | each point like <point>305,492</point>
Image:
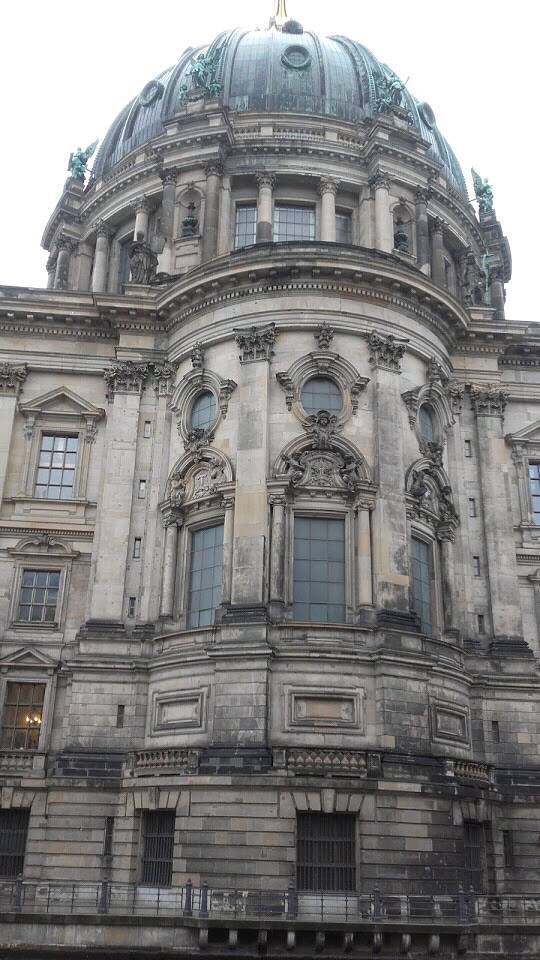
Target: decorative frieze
<point>184,760</point>
<point>126,377</point>
<point>256,343</point>
<point>319,761</point>
<point>386,352</point>
<point>12,377</point>
<point>489,400</point>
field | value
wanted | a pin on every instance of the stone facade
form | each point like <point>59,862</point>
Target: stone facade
<point>417,714</point>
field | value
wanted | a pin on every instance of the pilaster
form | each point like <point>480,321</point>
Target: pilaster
<point>12,377</point>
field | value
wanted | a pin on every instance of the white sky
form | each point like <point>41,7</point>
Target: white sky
<point>67,68</point>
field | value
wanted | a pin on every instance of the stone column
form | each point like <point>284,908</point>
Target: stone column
<point>265,208</point>
<point>170,522</point>
<point>228,539</point>
<point>422,231</point>
<point>84,267</point>
<point>277,555</point>
<point>224,238</point>
<point>462,584</point>
<point>168,201</point>
<point>446,538</point>
<point>390,533</point>
<point>125,382</point>
<point>496,290</point>
<point>12,377</point>
<point>488,403</point>
<point>51,270</point>
<point>534,578</point>
<point>213,172</point>
<point>384,227</point>
<point>61,276</point>
<point>142,211</point>
<point>101,258</point>
<point>437,264</point>
<point>328,189</point>
<point>363,546</point>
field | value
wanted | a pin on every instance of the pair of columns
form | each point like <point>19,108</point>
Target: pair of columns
<point>265,219</point>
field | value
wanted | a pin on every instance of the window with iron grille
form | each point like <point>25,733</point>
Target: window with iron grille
<point>478,856</point>
<point>158,847</point>
<point>246,225</point>
<point>21,721</point>
<point>422,574</point>
<point>205,575</point>
<point>38,596</point>
<point>326,851</point>
<point>56,469</point>
<point>293,223</point>
<point>319,569</point>
<point>534,481</point>
<point>13,831</point>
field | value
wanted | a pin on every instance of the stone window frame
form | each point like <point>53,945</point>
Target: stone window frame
<point>193,520</point>
<point>41,418</point>
<point>525,449</point>
<point>30,666</point>
<point>192,384</point>
<point>433,396</point>
<point>426,535</point>
<point>322,363</point>
<point>41,553</point>
<point>304,506</point>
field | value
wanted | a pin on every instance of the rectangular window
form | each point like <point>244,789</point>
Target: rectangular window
<point>205,574</point>
<point>56,468</point>
<point>142,489</point>
<point>534,481</point>
<point>468,448</point>
<point>293,223</point>
<point>422,575</point>
<point>147,432</point>
<point>13,832</point>
<point>326,851</point>
<point>343,226</point>
<point>319,570</point>
<point>21,722</point>
<point>495,731</point>
<point>245,233</point>
<point>158,847</point>
<point>131,606</point>
<point>137,548</point>
<point>481,623</point>
<point>508,848</point>
<point>108,836</point>
<point>477,855</point>
<point>472,507</point>
<point>38,596</point>
<point>476,566</point>
<point>120,714</point>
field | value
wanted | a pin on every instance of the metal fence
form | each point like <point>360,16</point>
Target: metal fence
<point>205,902</point>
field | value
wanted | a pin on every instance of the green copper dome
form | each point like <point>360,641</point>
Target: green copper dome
<point>275,71</point>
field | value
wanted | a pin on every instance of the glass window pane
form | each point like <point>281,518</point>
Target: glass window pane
<point>47,442</point>
<point>246,225</point>
<point>293,223</point>
<point>343,227</point>
<point>203,411</point>
<point>421,569</point>
<point>534,482</point>
<point>321,393</point>
<point>54,458</point>
<point>425,423</point>
<point>318,579</point>
<point>204,592</point>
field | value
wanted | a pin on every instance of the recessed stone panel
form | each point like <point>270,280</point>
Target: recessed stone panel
<point>449,723</point>
<point>180,711</point>
<point>325,708</point>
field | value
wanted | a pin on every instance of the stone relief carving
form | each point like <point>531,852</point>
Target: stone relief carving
<point>164,375</point>
<point>322,462</point>
<point>386,352</point>
<point>126,377</point>
<point>432,501</point>
<point>489,400</point>
<point>12,377</point>
<point>197,356</point>
<point>256,343</point>
<point>197,477</point>
<point>324,334</point>
<point>321,427</point>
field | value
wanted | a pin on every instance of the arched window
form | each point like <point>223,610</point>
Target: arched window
<point>426,423</point>
<point>203,411</point>
<point>321,393</point>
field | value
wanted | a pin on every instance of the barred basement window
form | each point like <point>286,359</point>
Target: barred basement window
<point>13,832</point>
<point>245,233</point>
<point>21,722</point>
<point>326,851</point>
<point>158,847</point>
<point>477,856</point>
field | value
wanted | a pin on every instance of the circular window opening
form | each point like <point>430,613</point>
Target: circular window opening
<point>296,57</point>
<point>152,91</point>
<point>321,393</point>
<point>427,114</point>
<point>203,411</point>
<point>426,423</point>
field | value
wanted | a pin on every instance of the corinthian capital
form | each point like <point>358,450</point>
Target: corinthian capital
<point>126,377</point>
<point>488,400</point>
<point>266,180</point>
<point>327,185</point>
<point>379,180</point>
<point>386,352</point>
<point>214,168</point>
<point>103,229</point>
<point>12,377</point>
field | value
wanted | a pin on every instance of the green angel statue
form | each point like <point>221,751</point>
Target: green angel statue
<point>78,161</point>
<point>483,192</point>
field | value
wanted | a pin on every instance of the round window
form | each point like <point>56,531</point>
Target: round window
<point>296,57</point>
<point>321,393</point>
<point>203,411</point>
<point>426,423</point>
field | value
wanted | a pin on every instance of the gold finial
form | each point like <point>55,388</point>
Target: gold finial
<point>280,16</point>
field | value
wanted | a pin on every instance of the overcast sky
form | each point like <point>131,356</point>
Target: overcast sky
<point>67,68</point>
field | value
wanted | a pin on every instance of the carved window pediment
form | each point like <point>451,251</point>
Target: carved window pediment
<point>430,498</point>
<point>197,381</point>
<point>322,363</point>
<point>525,449</point>
<point>330,468</point>
<point>198,476</point>
<point>435,395</point>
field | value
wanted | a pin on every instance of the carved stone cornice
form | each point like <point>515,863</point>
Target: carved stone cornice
<point>386,352</point>
<point>256,343</point>
<point>328,185</point>
<point>324,334</point>
<point>489,400</point>
<point>12,377</point>
<point>126,377</point>
<point>266,180</point>
<point>163,376</point>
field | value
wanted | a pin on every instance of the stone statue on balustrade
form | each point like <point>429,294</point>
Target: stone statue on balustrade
<point>142,261</point>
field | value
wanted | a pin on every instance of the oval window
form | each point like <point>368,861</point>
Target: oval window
<point>321,393</point>
<point>203,411</point>
<point>426,423</point>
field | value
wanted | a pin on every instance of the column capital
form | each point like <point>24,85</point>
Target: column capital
<point>362,503</point>
<point>256,343</point>
<point>126,377</point>
<point>488,400</point>
<point>164,376</point>
<point>66,243</point>
<point>438,225</point>
<point>277,499</point>
<point>214,168</point>
<point>266,180</point>
<point>141,204</point>
<point>12,377</point>
<point>168,176</point>
<point>386,352</point>
<point>328,185</point>
<point>103,229</point>
<point>379,181</point>
<point>423,194</point>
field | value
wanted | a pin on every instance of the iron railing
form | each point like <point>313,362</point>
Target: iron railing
<point>287,905</point>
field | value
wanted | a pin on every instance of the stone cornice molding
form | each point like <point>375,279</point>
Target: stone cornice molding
<point>12,377</point>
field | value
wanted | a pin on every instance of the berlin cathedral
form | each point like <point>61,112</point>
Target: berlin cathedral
<point>270,533</point>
